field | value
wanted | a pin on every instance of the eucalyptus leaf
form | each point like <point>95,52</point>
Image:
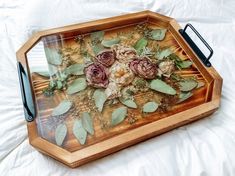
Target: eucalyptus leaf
<point>140,44</point>
<point>109,43</point>
<point>44,74</point>
<point>100,98</point>
<point>77,85</point>
<point>188,85</point>
<point>87,122</point>
<point>53,57</point>
<point>150,107</point>
<point>75,69</point>
<point>62,108</point>
<point>184,96</point>
<point>162,87</point>
<point>185,64</point>
<point>163,53</point>
<point>200,84</point>
<point>60,134</point>
<point>97,36</point>
<point>128,102</point>
<point>97,48</point>
<point>158,34</point>
<point>118,115</point>
<point>79,132</point>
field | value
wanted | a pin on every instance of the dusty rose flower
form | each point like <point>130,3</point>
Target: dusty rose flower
<point>97,75</point>
<point>166,68</point>
<point>106,57</point>
<point>143,68</point>
<point>124,53</point>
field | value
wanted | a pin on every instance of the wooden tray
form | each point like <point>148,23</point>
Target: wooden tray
<point>38,108</point>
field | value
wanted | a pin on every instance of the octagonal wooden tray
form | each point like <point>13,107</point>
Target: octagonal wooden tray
<point>38,108</point>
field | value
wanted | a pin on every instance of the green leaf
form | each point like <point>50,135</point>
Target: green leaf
<point>187,85</point>
<point>109,43</point>
<point>100,98</point>
<point>97,36</point>
<point>62,108</point>
<point>97,48</point>
<point>118,115</point>
<point>44,74</point>
<point>185,64</point>
<point>184,96</point>
<point>162,87</point>
<point>79,132</point>
<point>150,107</point>
<point>60,134</point>
<point>163,53</point>
<point>53,57</point>
<point>128,102</point>
<point>87,122</point>
<point>75,69</point>
<point>200,84</point>
<point>76,86</point>
<point>140,44</point>
<point>59,85</point>
<point>158,34</point>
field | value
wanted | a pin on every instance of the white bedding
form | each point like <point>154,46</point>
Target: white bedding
<point>206,147</point>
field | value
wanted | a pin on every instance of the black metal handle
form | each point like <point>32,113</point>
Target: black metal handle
<point>26,94</point>
<point>195,48</point>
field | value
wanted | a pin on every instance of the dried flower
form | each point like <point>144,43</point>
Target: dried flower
<point>121,74</point>
<point>143,67</point>
<point>166,68</point>
<point>124,53</point>
<point>106,57</point>
<point>97,75</point>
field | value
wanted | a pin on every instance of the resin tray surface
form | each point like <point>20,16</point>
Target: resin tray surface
<point>101,86</point>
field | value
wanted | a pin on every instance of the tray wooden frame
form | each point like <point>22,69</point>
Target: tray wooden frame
<point>116,143</point>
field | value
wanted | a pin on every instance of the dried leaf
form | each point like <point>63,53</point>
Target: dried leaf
<point>185,64</point>
<point>97,36</point>
<point>150,107</point>
<point>53,57</point>
<point>200,84</point>
<point>162,87</point>
<point>44,74</point>
<point>100,98</point>
<point>184,96</point>
<point>187,85</point>
<point>97,48</point>
<point>75,69</point>
<point>163,53</point>
<point>158,34</point>
<point>109,43</point>
<point>87,122</point>
<point>128,102</point>
<point>60,134</point>
<point>62,108</point>
<point>140,44</point>
<point>79,132</point>
<point>118,115</point>
<point>76,86</point>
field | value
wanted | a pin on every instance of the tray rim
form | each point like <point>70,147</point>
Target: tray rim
<point>133,136</point>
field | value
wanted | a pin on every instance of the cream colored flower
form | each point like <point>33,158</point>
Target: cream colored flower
<point>121,74</point>
<point>124,53</point>
<point>166,68</point>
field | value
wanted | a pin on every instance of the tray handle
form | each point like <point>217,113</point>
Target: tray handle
<point>26,94</point>
<point>195,48</point>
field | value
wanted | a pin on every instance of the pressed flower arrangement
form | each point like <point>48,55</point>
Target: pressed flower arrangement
<point>112,72</point>
<point>112,85</point>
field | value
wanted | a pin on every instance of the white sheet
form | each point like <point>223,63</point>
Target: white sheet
<point>206,147</point>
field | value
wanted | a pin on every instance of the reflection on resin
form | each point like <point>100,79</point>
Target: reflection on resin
<point>107,81</point>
